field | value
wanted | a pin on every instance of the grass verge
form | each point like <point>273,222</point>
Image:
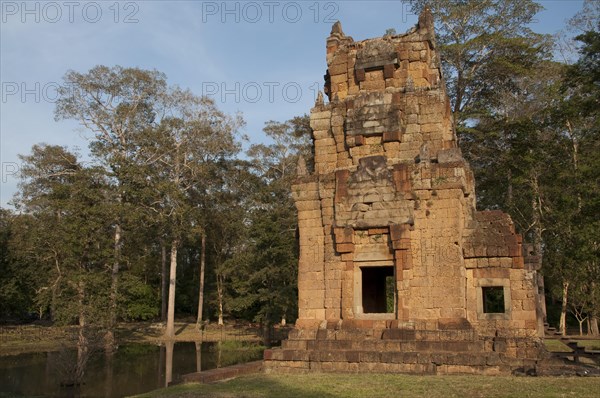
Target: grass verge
<point>554,345</point>
<point>322,385</point>
<point>589,344</point>
<point>36,338</point>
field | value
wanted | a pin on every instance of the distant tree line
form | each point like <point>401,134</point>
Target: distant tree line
<point>168,216</point>
<point>165,217</point>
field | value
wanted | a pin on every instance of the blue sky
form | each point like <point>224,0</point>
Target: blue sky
<point>265,59</point>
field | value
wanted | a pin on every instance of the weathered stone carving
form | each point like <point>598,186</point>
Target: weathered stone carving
<point>395,260</point>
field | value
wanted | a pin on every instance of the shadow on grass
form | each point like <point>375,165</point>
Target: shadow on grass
<point>181,329</point>
<point>252,386</point>
<point>386,385</point>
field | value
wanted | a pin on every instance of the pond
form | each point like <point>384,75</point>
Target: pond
<point>132,369</point>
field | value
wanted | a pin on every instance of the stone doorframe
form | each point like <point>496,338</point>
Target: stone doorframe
<point>356,256</point>
<point>358,291</point>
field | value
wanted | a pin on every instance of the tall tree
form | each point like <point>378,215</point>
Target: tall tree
<point>484,44</point>
<point>65,238</point>
<point>184,152</point>
<point>227,227</point>
<point>114,105</point>
<point>265,275</point>
<point>580,116</point>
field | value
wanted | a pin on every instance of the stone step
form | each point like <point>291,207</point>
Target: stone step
<point>381,334</point>
<point>355,356</point>
<point>386,345</point>
<point>476,366</point>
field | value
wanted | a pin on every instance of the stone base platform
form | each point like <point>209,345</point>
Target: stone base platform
<point>397,350</point>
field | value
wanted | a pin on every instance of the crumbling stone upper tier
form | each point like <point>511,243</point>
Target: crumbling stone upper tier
<point>387,97</point>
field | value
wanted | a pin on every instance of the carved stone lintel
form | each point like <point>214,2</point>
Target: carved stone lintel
<point>371,168</point>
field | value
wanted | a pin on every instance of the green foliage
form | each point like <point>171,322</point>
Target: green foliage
<point>114,104</point>
<point>484,45</point>
<point>390,287</point>
<point>161,149</point>
<point>15,294</point>
<point>59,240</point>
<point>264,274</point>
<point>138,300</point>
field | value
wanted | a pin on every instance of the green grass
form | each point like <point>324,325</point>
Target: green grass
<point>553,345</point>
<point>322,385</point>
<point>589,344</point>
<point>35,338</point>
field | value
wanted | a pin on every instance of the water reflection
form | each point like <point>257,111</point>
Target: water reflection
<point>132,369</point>
<point>169,363</point>
<point>108,370</point>
<point>198,356</point>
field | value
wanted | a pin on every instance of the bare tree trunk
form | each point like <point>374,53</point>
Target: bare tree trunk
<point>541,303</point>
<point>587,325</point>
<point>562,325</point>
<point>509,190</point>
<point>537,216</point>
<point>55,290</point>
<point>457,105</point>
<point>594,325</point>
<point>201,277</point>
<point>109,338</point>
<point>82,341</point>
<point>593,315</point>
<point>170,330</point>
<point>164,276</point>
<point>575,144</point>
<point>220,297</point>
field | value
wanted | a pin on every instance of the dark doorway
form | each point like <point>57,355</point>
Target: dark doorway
<point>378,290</point>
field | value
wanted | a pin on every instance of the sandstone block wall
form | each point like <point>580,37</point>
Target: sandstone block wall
<point>389,234</point>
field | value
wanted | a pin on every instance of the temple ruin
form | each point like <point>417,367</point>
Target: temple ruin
<point>398,271</point>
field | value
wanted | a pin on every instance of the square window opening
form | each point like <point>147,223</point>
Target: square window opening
<point>378,290</point>
<point>493,299</point>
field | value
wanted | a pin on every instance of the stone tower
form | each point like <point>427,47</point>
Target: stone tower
<point>398,271</point>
